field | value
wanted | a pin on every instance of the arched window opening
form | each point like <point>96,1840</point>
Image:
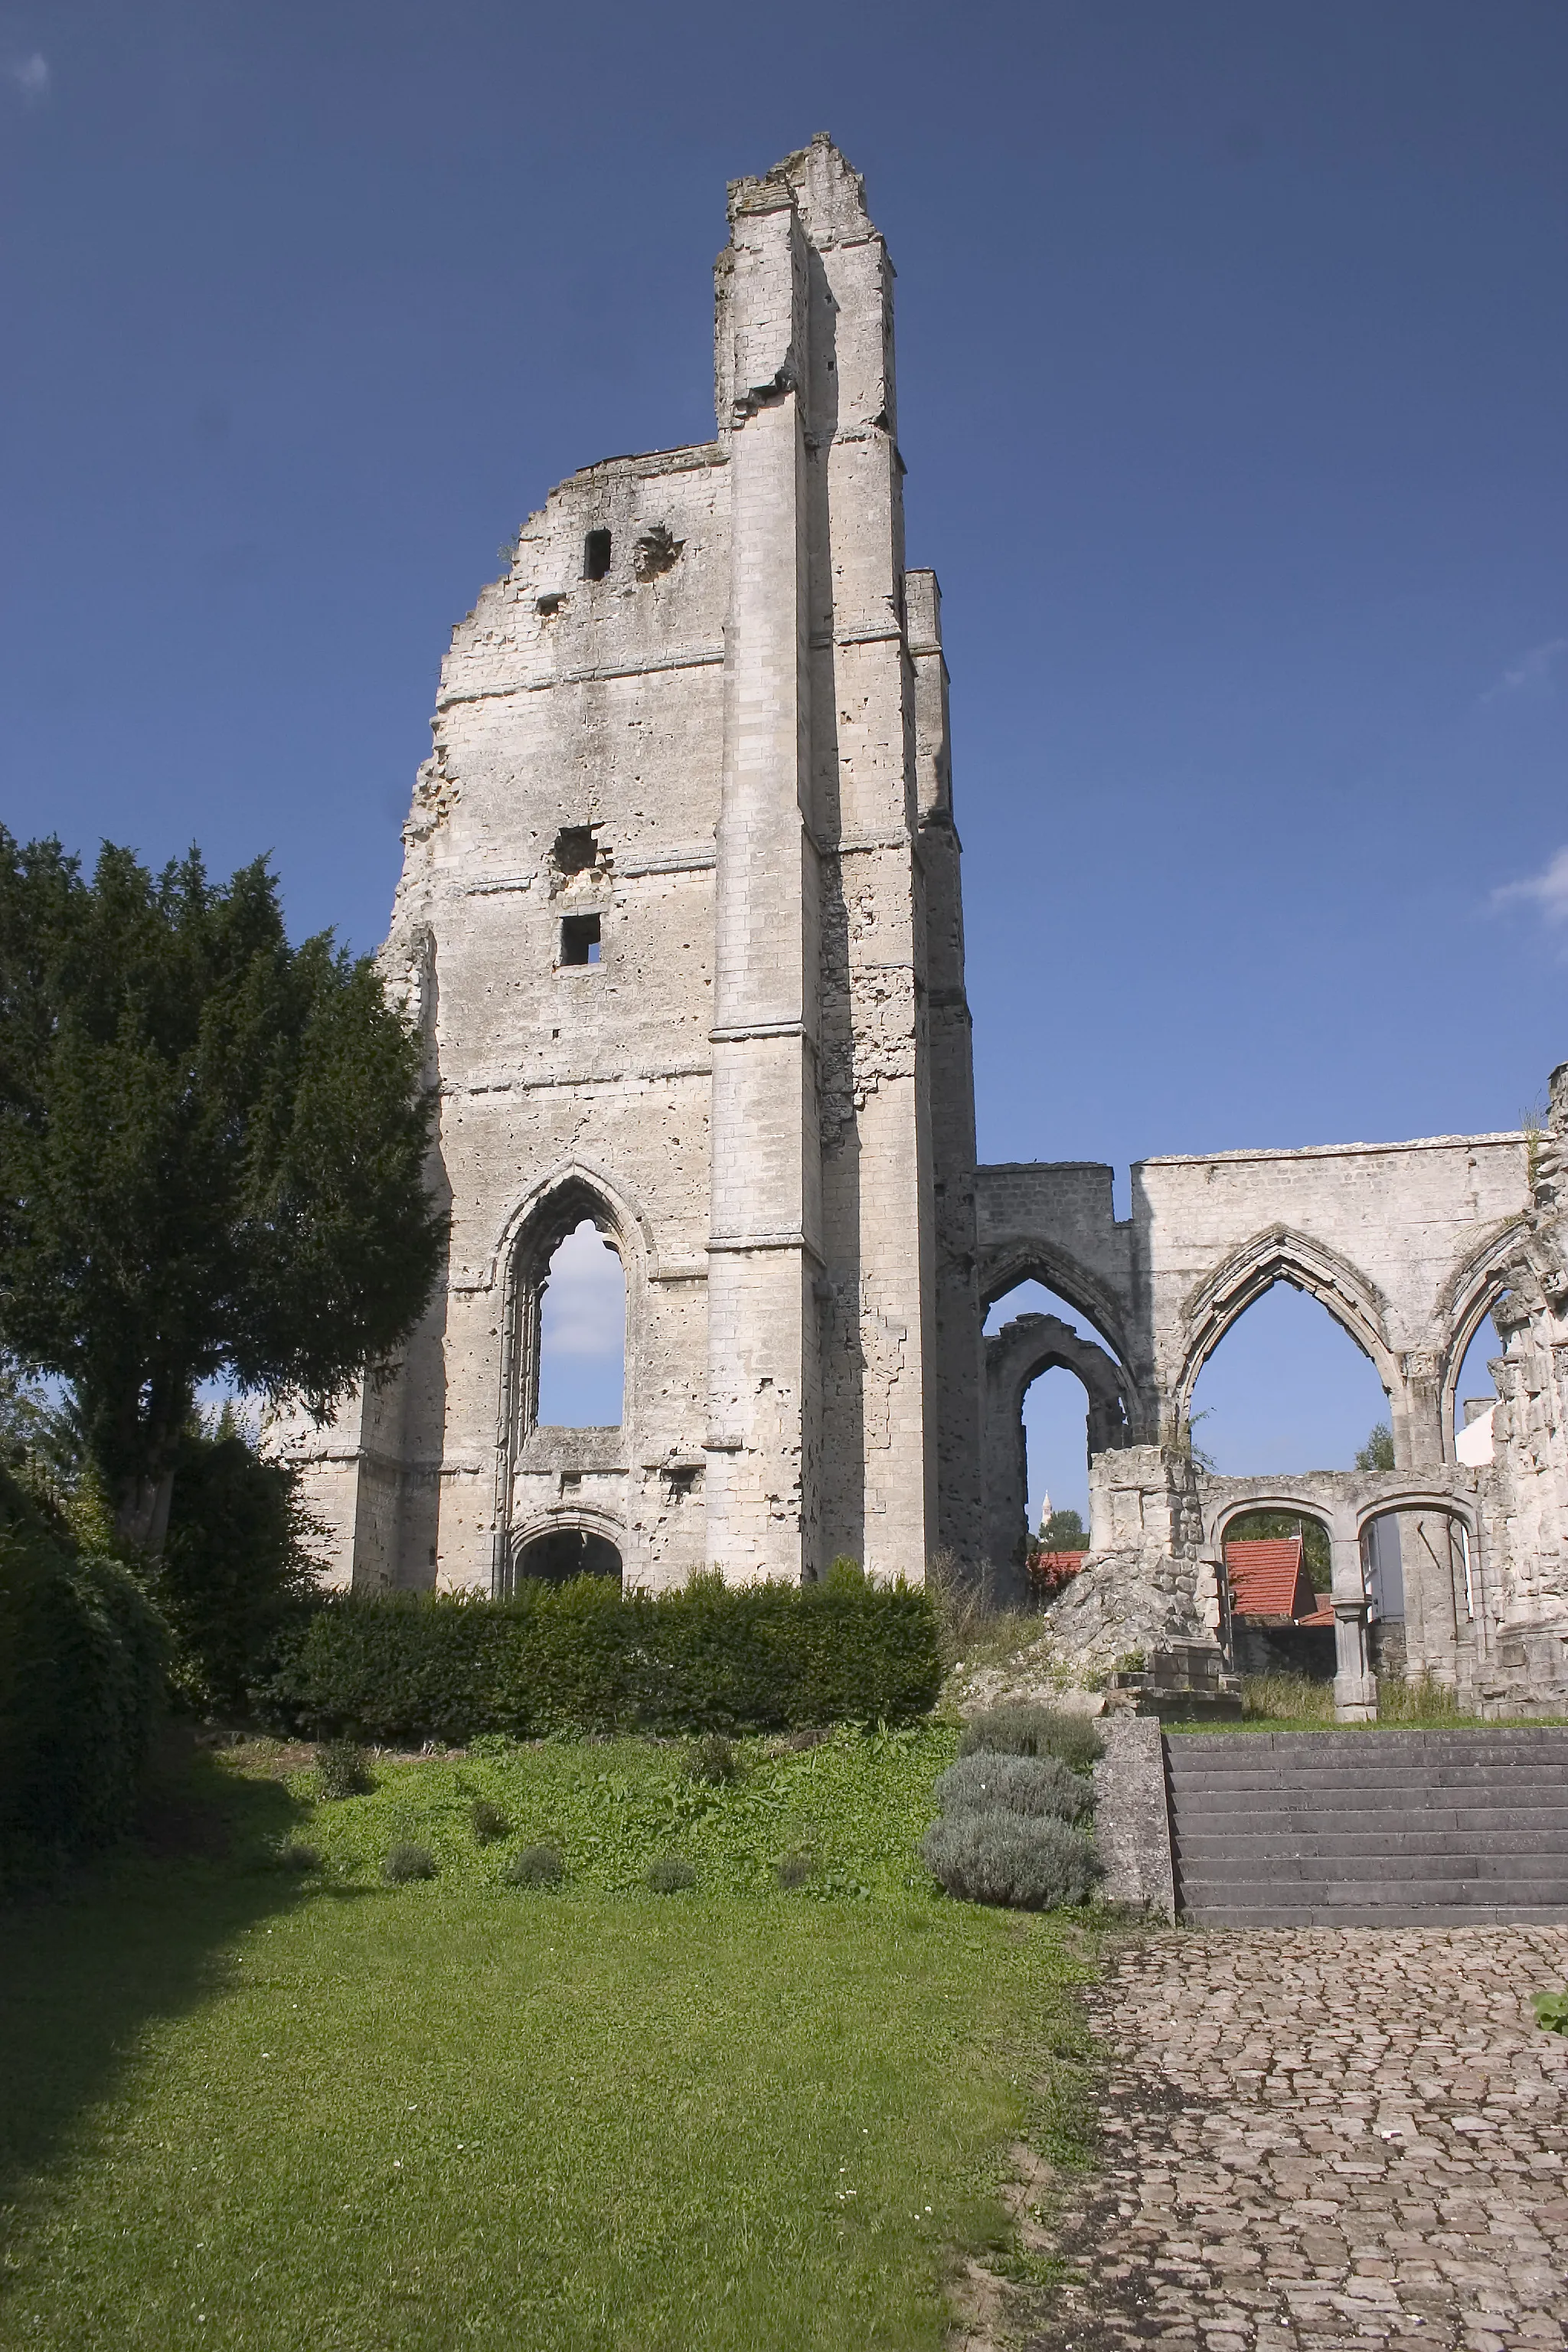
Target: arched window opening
<point>1421,1575</point>
<point>583,1334</point>
<point>1278,1569</point>
<point>1287,1388</point>
<point>1034,1299</point>
<point>1475,1395</point>
<point>1056,1455</point>
<point>566,1553</point>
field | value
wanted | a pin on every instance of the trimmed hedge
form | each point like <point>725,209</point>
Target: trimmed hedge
<point>580,1657</point>
<point>82,1657</point>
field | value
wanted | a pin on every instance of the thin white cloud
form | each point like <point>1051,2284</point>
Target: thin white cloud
<point>1534,673</point>
<point>1548,890</point>
<point>30,78</point>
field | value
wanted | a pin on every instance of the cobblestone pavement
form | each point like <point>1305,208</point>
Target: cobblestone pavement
<point>1336,2138</point>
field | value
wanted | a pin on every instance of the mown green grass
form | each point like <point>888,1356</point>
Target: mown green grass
<point>269,2114</point>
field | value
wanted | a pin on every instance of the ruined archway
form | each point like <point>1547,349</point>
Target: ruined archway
<point>1250,1272</point>
<point>554,1476</point>
<point>1006,1265</point>
<point>1468,1300</point>
<point>1015,1357</point>
<point>563,1548</point>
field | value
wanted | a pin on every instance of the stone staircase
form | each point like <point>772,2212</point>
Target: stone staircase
<point>1369,1828</point>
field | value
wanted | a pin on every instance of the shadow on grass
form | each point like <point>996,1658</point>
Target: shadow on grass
<point>132,1940</point>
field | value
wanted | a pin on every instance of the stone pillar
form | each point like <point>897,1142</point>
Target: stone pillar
<point>1355,1686</point>
<point>1416,1414</point>
<point>882,1394</point>
<point>960,1381</point>
<point>763,1249</point>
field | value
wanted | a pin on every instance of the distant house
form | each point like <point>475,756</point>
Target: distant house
<point>1278,1623</point>
<point>1049,1571</point>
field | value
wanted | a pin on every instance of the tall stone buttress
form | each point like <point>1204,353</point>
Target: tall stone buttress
<point>702,720</point>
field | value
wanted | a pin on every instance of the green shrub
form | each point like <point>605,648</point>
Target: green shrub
<point>295,1856</point>
<point>1039,1786</point>
<point>671,1876</point>
<point>235,1573</point>
<point>1032,1731</point>
<point>405,1862</point>
<point>584,1657</point>
<point>712,1760</point>
<point>342,1770</point>
<point>997,1856</point>
<point>487,1822</point>
<point>536,1865</point>
<point>1551,2011</point>
<point>82,1657</point>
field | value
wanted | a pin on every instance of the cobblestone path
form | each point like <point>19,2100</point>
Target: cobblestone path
<point>1335,2138</point>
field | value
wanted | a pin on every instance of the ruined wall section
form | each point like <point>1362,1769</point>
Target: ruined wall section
<point>567,702</point>
<point>828,382</point>
<point>698,666</point>
<point>958,1405</point>
<point>1530,1430</point>
<point>1392,1238</point>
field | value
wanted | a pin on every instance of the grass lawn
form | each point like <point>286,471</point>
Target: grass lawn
<point>249,2111</point>
<point>1297,1703</point>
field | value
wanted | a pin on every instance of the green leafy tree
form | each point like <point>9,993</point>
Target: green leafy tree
<point>234,1570</point>
<point>212,1146</point>
<point>1377,1453</point>
<point>1063,1531</point>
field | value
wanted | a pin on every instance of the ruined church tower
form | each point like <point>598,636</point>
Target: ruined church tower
<point>680,919</point>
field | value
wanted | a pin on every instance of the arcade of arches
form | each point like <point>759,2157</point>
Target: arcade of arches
<point>1433,1260</point>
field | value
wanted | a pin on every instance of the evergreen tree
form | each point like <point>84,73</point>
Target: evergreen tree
<point>211,1154</point>
<point>1377,1453</point>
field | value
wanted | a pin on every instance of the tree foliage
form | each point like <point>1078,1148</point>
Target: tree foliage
<point>1377,1453</point>
<point>211,1153</point>
<point>1063,1531</point>
<point>235,1571</point>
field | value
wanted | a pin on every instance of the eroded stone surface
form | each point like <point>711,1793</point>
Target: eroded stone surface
<point>1324,2140</point>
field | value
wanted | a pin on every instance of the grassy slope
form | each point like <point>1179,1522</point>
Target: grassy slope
<point>451,2114</point>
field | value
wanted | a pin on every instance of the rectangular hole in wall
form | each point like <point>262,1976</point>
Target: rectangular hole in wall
<point>596,555</point>
<point>580,938</point>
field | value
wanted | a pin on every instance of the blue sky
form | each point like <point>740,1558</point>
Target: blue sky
<point>1233,355</point>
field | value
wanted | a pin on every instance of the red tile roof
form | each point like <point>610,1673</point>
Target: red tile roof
<point>1268,1578</point>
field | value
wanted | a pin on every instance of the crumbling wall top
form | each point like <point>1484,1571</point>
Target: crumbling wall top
<point>825,188</point>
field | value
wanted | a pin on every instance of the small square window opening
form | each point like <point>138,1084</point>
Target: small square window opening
<point>596,555</point>
<point>575,850</point>
<point>580,938</point>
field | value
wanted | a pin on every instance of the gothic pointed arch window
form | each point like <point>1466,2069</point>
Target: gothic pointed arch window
<point>568,1316</point>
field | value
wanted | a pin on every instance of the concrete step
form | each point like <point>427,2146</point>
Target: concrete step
<point>1348,1870</point>
<point>1303,1828</point>
<point>1273,1914</point>
<point>1525,1796</point>
<point>1362,1739</point>
<point>1367,1767</point>
<point>1376,1894</point>
<point>1377,1837</point>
